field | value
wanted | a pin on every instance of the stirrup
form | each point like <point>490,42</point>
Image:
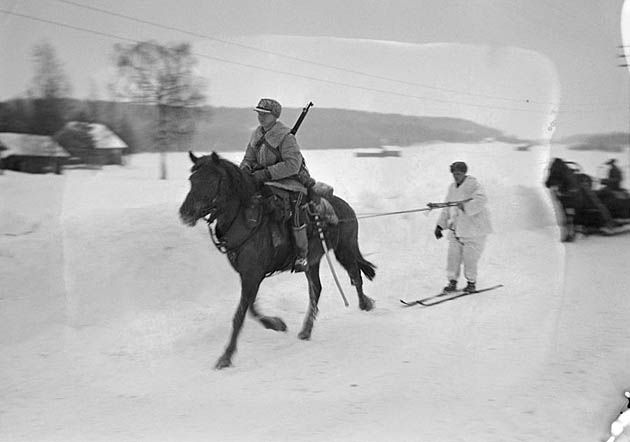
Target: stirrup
<point>300,265</point>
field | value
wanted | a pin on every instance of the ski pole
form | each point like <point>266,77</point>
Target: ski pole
<point>330,264</point>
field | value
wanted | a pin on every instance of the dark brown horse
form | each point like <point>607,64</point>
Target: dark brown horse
<point>583,207</point>
<point>260,247</point>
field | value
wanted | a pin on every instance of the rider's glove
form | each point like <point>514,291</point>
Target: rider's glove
<point>261,176</point>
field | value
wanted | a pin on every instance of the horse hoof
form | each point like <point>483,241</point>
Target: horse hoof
<point>223,363</point>
<point>281,326</point>
<point>305,336</point>
<point>276,324</point>
<point>366,304</point>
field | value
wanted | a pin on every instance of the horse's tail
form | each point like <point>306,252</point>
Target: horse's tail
<point>366,266</point>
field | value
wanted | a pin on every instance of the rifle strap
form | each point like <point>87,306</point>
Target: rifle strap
<point>276,151</point>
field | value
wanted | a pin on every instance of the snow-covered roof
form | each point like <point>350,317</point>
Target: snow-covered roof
<point>30,145</point>
<point>103,136</point>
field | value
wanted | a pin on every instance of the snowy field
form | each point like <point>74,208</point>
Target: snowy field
<point>113,313</point>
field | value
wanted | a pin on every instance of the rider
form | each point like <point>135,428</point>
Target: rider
<point>273,154</point>
<point>613,182</point>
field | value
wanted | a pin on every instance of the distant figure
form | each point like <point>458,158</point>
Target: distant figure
<point>469,225</point>
<point>273,154</point>
<point>613,182</point>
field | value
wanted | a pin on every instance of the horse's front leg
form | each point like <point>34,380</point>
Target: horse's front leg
<point>569,225</point>
<point>249,289</point>
<point>269,322</point>
<point>314,290</point>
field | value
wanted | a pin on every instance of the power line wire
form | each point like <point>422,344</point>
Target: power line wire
<point>223,60</point>
<point>332,82</point>
<point>303,60</point>
<point>279,54</point>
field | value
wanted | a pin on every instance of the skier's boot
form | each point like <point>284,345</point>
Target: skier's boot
<point>470,287</point>
<point>451,287</point>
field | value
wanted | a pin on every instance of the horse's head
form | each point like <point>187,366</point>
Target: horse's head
<point>558,173</point>
<point>214,182</point>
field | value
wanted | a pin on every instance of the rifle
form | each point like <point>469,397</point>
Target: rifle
<point>298,123</point>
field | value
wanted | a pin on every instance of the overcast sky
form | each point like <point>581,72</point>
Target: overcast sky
<point>511,63</point>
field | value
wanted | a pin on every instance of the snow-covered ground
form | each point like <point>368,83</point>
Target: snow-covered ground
<point>112,314</point>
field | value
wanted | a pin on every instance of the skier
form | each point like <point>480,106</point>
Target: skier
<point>469,225</point>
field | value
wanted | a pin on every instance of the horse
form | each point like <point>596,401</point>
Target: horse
<point>584,209</point>
<point>258,247</point>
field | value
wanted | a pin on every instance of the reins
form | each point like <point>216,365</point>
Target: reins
<point>221,245</point>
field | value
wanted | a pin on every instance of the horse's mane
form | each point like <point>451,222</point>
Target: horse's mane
<point>559,163</point>
<point>241,182</point>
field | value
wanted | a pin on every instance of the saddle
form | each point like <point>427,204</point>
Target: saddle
<point>278,201</point>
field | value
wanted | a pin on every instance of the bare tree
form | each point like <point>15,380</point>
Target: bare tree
<point>49,80</point>
<point>162,76</point>
<point>48,89</point>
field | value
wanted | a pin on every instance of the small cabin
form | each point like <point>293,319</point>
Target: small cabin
<point>107,148</point>
<point>31,153</point>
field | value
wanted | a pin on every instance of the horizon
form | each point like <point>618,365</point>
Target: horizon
<point>207,107</point>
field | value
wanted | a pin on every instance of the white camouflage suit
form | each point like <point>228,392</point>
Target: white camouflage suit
<point>468,228</point>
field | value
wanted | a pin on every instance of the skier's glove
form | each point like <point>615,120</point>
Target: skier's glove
<point>438,232</point>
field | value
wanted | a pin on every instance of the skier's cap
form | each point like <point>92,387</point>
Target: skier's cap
<point>459,166</point>
<point>269,106</point>
<point>611,161</point>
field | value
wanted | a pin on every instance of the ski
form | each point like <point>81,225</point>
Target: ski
<point>446,296</point>
<point>439,295</point>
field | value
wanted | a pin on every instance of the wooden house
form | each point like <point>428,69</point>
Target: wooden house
<point>108,148</point>
<point>31,153</point>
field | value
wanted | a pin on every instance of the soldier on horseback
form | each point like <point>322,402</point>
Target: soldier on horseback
<point>273,154</point>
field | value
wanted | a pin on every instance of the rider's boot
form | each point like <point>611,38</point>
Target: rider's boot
<point>301,245</point>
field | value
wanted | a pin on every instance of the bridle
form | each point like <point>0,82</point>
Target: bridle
<point>211,218</point>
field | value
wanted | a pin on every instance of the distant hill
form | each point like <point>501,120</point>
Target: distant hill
<point>326,128</point>
<point>225,128</point>
<point>609,142</point>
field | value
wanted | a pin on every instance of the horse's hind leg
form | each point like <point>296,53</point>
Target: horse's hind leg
<point>249,288</point>
<point>314,290</point>
<point>348,260</point>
